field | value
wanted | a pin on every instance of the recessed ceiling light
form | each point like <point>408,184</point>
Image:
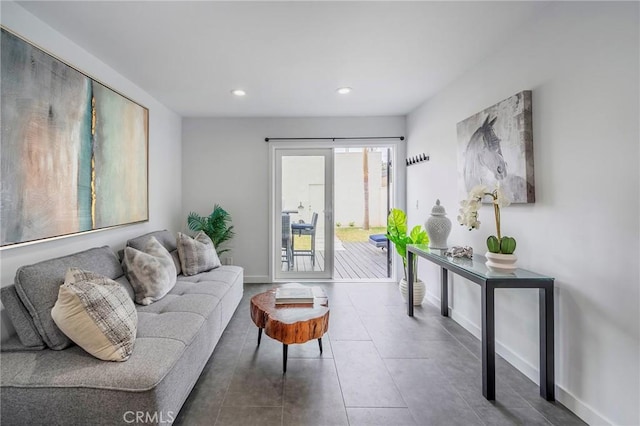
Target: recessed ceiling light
<point>239,92</point>
<point>344,90</point>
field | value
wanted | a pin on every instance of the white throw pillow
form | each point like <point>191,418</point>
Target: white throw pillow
<point>97,314</point>
<point>151,272</point>
<point>197,254</point>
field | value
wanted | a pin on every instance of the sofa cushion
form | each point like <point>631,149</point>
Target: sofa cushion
<point>150,271</point>
<point>37,285</point>
<point>20,318</point>
<point>151,360</point>
<point>199,304</point>
<point>197,254</point>
<point>224,274</point>
<point>165,238</point>
<point>182,326</point>
<point>124,282</point>
<point>183,288</point>
<point>97,314</point>
<point>13,344</point>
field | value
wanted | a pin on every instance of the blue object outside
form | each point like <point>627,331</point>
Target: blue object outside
<point>379,240</point>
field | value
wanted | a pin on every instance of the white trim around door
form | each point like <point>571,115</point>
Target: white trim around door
<point>312,168</point>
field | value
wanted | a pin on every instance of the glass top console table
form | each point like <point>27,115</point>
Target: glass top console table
<point>476,271</point>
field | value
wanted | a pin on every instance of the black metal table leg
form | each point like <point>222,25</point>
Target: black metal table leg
<point>320,344</point>
<point>410,273</point>
<point>444,292</point>
<point>489,283</point>
<point>259,335</point>
<point>285,348</point>
<point>547,362</point>
<point>488,343</point>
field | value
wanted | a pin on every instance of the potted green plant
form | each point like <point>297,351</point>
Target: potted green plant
<point>397,233</point>
<point>216,226</point>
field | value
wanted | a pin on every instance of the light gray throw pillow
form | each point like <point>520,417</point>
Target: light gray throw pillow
<point>165,238</point>
<point>151,272</point>
<point>197,254</point>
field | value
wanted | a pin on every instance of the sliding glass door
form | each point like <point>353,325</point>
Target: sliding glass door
<point>362,204</point>
<point>303,213</point>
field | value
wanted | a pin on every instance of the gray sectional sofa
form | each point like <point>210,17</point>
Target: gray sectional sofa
<point>175,337</point>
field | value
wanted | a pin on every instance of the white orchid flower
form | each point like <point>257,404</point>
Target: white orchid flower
<point>474,204</point>
<point>470,207</point>
<point>501,198</point>
<point>478,191</point>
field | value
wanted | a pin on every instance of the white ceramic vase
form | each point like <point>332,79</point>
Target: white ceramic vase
<point>419,291</point>
<point>438,227</point>
<point>499,262</point>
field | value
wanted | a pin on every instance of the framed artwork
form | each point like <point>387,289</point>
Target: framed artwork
<point>74,152</point>
<point>496,146</point>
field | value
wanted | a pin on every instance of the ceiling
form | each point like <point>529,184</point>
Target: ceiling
<point>290,57</point>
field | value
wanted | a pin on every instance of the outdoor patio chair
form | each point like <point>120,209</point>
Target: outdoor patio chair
<point>306,229</point>
<point>379,240</point>
<point>287,242</point>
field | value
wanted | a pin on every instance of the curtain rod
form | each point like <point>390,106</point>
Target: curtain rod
<point>335,139</point>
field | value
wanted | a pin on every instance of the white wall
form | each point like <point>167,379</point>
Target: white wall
<point>349,193</point>
<point>226,161</point>
<point>164,153</point>
<point>581,62</point>
<point>300,176</point>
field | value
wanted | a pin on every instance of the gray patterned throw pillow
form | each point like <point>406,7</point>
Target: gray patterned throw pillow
<point>197,254</point>
<point>151,272</point>
<point>97,314</point>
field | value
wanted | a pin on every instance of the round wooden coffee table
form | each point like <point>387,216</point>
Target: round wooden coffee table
<point>291,323</point>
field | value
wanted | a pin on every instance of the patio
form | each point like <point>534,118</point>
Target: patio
<point>353,260</point>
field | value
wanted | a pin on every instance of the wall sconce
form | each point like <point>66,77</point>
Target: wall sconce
<point>300,207</point>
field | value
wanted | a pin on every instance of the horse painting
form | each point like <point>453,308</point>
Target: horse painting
<point>483,160</point>
<point>484,157</point>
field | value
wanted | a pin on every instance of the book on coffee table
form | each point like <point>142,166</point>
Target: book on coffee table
<point>287,295</point>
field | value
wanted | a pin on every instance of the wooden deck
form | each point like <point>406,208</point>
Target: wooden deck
<point>359,260</point>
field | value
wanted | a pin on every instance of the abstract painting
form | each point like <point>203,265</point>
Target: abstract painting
<point>74,152</point>
<point>496,146</point>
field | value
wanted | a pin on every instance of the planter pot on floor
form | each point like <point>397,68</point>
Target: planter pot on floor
<point>419,291</point>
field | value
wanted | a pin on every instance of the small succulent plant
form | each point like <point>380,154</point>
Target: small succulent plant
<point>505,245</point>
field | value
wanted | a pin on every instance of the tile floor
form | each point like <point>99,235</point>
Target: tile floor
<point>379,367</point>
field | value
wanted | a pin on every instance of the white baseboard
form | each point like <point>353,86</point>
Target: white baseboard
<point>256,279</point>
<point>566,398</point>
<point>432,299</point>
<point>580,409</point>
